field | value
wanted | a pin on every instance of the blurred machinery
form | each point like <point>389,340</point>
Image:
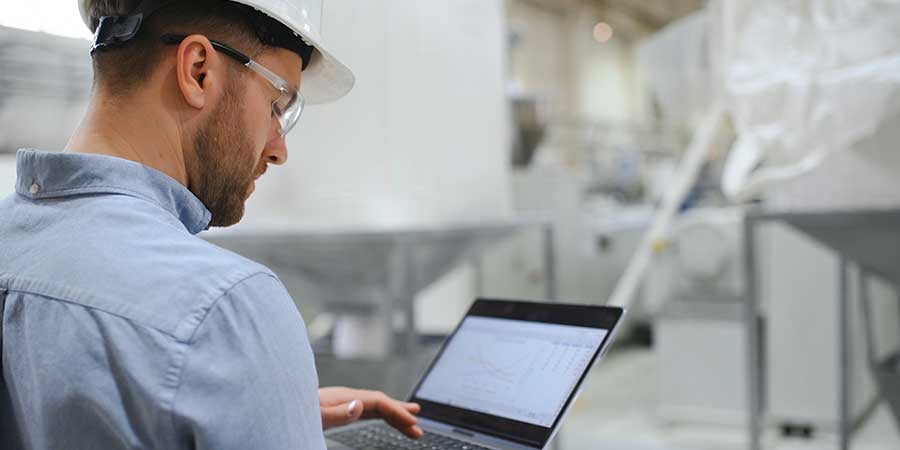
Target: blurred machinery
<point>697,285</point>
<point>808,361</point>
<point>701,261</point>
<point>800,288</point>
<point>44,86</point>
<point>529,129</point>
<point>848,264</point>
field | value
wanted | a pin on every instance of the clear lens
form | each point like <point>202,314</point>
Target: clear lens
<point>288,108</point>
<point>289,105</point>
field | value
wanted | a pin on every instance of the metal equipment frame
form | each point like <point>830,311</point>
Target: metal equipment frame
<point>870,239</point>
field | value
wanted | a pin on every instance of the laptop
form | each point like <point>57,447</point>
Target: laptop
<point>503,380</point>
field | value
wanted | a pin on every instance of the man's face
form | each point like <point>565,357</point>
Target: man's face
<point>240,138</point>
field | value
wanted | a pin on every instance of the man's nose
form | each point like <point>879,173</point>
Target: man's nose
<point>275,151</point>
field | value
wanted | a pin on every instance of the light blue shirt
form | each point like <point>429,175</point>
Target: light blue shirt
<point>122,329</point>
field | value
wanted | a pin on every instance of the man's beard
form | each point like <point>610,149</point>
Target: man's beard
<point>224,165</point>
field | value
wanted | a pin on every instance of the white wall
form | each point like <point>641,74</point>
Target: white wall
<point>422,138</point>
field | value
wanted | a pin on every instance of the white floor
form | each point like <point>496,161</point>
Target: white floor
<point>616,411</point>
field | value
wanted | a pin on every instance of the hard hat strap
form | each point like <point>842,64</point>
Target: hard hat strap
<point>115,30</point>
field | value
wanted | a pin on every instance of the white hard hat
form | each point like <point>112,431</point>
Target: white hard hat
<point>325,79</point>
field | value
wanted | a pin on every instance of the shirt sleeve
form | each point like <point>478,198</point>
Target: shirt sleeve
<point>248,378</point>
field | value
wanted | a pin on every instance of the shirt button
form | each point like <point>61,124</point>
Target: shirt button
<point>35,188</point>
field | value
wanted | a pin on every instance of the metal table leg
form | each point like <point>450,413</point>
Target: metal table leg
<point>751,322</point>
<point>865,300</point>
<point>402,291</point>
<point>548,248</point>
<point>409,310</point>
<point>549,251</point>
<point>843,319</point>
<point>477,276</point>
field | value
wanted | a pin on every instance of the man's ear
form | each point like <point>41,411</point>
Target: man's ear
<point>199,69</point>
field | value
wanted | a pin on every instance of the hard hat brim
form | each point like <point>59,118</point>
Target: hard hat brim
<point>326,79</point>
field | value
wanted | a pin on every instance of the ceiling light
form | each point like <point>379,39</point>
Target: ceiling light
<point>603,32</point>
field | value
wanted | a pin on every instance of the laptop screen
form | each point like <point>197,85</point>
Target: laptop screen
<point>515,369</point>
<point>510,369</point>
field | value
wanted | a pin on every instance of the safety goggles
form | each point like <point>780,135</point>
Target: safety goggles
<point>286,108</point>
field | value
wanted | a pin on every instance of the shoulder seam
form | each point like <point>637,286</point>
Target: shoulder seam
<point>13,284</point>
<point>215,302</point>
<point>176,369</point>
<point>57,293</point>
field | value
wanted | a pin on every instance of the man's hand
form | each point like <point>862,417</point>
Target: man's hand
<point>340,406</point>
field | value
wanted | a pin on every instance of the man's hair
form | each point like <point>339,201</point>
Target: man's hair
<point>121,69</point>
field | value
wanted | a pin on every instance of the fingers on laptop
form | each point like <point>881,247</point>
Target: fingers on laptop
<point>399,415</point>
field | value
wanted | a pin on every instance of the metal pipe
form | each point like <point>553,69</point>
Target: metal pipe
<point>843,357</point>
<point>751,323</point>
<point>549,250</point>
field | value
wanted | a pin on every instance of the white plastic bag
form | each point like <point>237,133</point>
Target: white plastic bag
<point>803,81</point>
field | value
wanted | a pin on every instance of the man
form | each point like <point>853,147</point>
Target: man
<point>120,327</point>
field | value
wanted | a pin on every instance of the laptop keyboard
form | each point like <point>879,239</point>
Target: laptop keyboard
<point>380,436</point>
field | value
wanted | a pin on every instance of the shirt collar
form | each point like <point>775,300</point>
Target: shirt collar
<point>52,175</point>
